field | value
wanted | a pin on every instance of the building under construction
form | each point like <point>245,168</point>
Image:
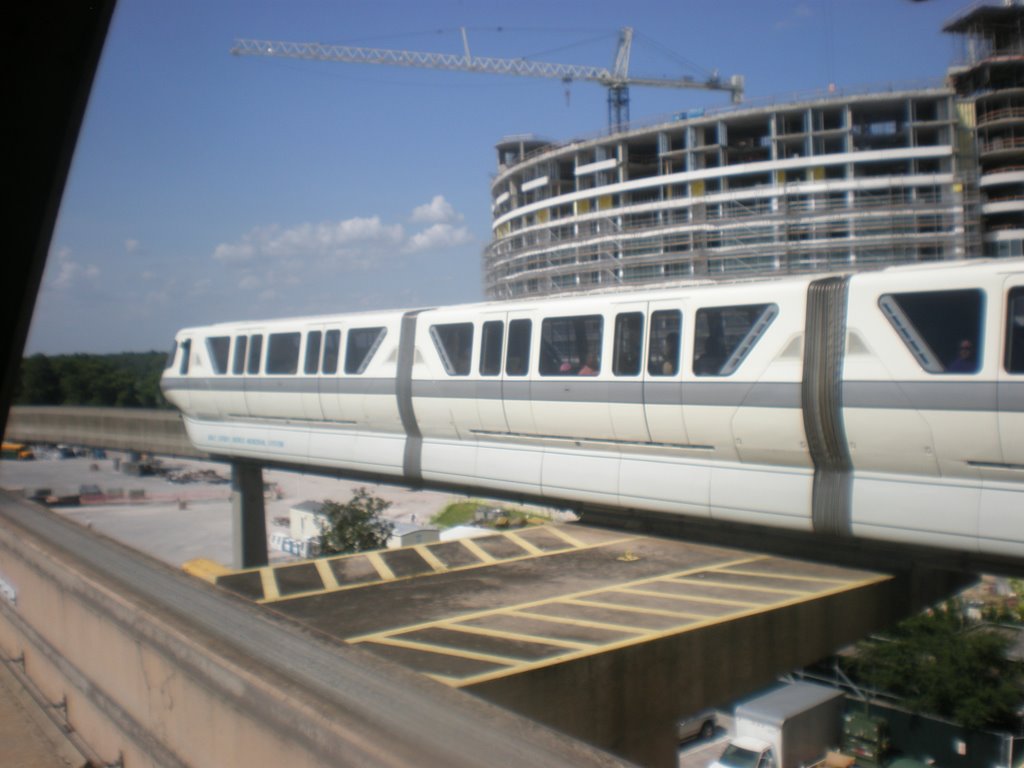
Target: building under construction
<point>838,182</point>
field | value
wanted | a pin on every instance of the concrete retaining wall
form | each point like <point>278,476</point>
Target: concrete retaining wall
<point>129,429</point>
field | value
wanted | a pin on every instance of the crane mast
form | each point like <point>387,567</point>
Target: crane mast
<point>616,80</point>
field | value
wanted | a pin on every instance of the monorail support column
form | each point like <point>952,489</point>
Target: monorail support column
<point>248,517</point>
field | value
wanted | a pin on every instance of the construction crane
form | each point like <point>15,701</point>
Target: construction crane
<point>616,80</point>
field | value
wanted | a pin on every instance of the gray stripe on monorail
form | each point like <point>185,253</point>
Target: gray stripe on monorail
<point>718,393</point>
<point>922,395</point>
<point>1011,396</point>
<point>1007,396</point>
<point>303,385</point>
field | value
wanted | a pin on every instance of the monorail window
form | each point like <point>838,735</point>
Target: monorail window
<point>169,362</point>
<point>362,343</point>
<point>283,353</point>
<point>629,344</point>
<point>724,336</point>
<point>942,329</point>
<point>1015,331</point>
<point>454,342</point>
<point>332,346</point>
<point>186,353</point>
<point>517,354</point>
<point>571,346</point>
<point>312,361</point>
<point>218,347</point>
<point>666,333</point>
<point>238,363</point>
<point>490,347</point>
<point>255,353</point>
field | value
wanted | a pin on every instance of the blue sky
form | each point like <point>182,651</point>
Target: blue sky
<point>207,187</point>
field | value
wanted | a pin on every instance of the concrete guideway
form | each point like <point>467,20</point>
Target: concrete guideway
<point>29,738</point>
<point>607,636</point>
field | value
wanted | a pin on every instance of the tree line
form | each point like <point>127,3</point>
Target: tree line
<point>122,380</point>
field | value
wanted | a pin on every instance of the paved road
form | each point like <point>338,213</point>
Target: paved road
<point>174,532</point>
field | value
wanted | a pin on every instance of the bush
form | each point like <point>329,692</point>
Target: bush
<point>356,526</point>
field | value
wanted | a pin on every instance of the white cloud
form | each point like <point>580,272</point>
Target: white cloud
<point>437,237</point>
<point>236,252</point>
<point>201,286</point>
<point>346,240</point>
<point>131,246</point>
<point>436,211</point>
<point>797,13</point>
<point>356,243</point>
<point>250,283</point>
<point>64,272</point>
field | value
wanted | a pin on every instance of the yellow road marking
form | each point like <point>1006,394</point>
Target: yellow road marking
<point>509,635</point>
<point>446,679</point>
<point>385,573</point>
<point>543,601</point>
<point>579,622</point>
<point>430,558</point>
<point>565,536</point>
<point>651,635</point>
<point>206,569</point>
<point>326,574</point>
<point>446,569</point>
<point>444,650</point>
<point>768,575</point>
<point>596,602</point>
<point>694,598</point>
<point>730,585</point>
<point>269,583</point>
<point>473,547</point>
<point>530,547</point>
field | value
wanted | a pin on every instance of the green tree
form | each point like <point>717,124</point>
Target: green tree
<point>40,384</point>
<point>355,526</point>
<point>938,664</point>
<point>125,380</point>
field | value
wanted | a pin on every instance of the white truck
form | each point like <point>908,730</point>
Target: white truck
<point>789,727</point>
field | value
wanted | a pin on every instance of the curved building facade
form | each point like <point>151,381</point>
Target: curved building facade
<point>838,182</point>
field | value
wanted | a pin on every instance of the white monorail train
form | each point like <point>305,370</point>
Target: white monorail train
<point>886,405</point>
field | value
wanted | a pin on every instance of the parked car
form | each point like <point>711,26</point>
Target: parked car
<point>699,725</point>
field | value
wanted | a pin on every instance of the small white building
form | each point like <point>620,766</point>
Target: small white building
<point>306,520</point>
<point>410,534</point>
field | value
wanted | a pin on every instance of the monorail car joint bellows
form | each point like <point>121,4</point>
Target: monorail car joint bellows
<point>822,404</point>
<point>412,461</point>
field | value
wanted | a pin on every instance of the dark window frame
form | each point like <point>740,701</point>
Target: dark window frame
<point>628,344</point>
<point>491,344</point>
<point>1013,355</point>
<point>515,350</point>
<point>186,354</point>
<point>331,352</point>
<point>283,353</point>
<point>255,357</point>
<point>936,325</point>
<point>218,349</point>
<point>239,355</point>
<point>454,347</point>
<point>311,361</point>
<point>353,345</point>
<point>660,351</point>
<point>568,343</point>
<point>728,358</point>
